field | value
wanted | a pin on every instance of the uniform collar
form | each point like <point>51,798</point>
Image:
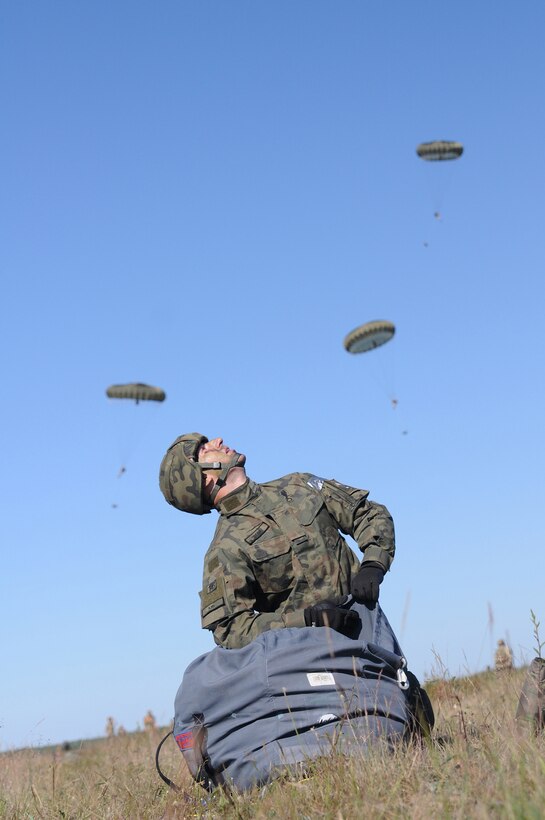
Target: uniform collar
<point>235,501</point>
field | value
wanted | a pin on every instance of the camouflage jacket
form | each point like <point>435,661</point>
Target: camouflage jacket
<point>277,549</point>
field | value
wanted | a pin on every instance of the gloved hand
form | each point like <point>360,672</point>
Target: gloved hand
<point>330,613</point>
<point>366,582</point>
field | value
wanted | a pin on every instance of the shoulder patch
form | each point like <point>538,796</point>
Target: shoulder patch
<point>231,503</point>
<point>342,486</point>
<point>315,482</point>
<point>212,607</point>
<point>213,593</point>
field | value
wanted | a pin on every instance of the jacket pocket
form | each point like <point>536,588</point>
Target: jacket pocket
<point>273,565</point>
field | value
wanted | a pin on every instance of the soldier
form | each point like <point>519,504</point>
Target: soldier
<point>277,558</point>
<point>110,727</point>
<point>149,721</point>
<point>503,658</point>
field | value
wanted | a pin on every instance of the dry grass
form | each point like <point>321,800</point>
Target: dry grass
<point>479,766</point>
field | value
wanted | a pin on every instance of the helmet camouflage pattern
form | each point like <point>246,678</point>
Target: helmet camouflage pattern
<point>180,476</point>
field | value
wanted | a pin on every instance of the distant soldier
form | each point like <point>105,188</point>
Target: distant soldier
<point>110,727</point>
<point>121,732</point>
<point>503,658</point>
<point>149,721</point>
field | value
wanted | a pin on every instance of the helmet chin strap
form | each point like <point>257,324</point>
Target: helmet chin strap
<point>225,468</point>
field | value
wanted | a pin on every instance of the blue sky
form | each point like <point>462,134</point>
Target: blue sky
<point>207,197</point>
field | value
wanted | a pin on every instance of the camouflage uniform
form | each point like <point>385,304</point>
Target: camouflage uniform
<point>277,549</point>
<point>503,658</point>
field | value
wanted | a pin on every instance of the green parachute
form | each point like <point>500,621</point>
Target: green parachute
<point>440,150</point>
<point>130,428</point>
<point>368,336</point>
<point>137,391</point>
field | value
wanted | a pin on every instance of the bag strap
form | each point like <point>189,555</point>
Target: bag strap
<point>167,780</point>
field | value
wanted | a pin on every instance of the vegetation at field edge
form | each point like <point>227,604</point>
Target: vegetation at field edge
<point>480,764</point>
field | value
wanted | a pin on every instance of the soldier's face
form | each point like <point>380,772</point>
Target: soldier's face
<point>216,450</point>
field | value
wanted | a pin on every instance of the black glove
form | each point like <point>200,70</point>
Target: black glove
<point>366,582</point>
<point>329,613</point>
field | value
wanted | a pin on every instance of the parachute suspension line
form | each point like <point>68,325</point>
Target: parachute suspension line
<point>382,372</point>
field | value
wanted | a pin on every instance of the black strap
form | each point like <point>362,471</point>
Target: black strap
<point>222,478</point>
<point>167,780</point>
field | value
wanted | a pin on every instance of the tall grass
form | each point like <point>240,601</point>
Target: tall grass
<point>480,764</point>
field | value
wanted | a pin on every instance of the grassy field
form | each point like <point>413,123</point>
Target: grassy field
<point>479,765</point>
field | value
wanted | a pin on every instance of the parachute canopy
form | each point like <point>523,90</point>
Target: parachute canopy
<point>136,391</point>
<point>368,336</point>
<point>439,150</point>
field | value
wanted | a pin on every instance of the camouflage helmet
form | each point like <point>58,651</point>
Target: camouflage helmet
<point>180,476</point>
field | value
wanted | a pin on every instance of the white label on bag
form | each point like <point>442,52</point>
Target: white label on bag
<point>320,679</point>
<point>328,718</point>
